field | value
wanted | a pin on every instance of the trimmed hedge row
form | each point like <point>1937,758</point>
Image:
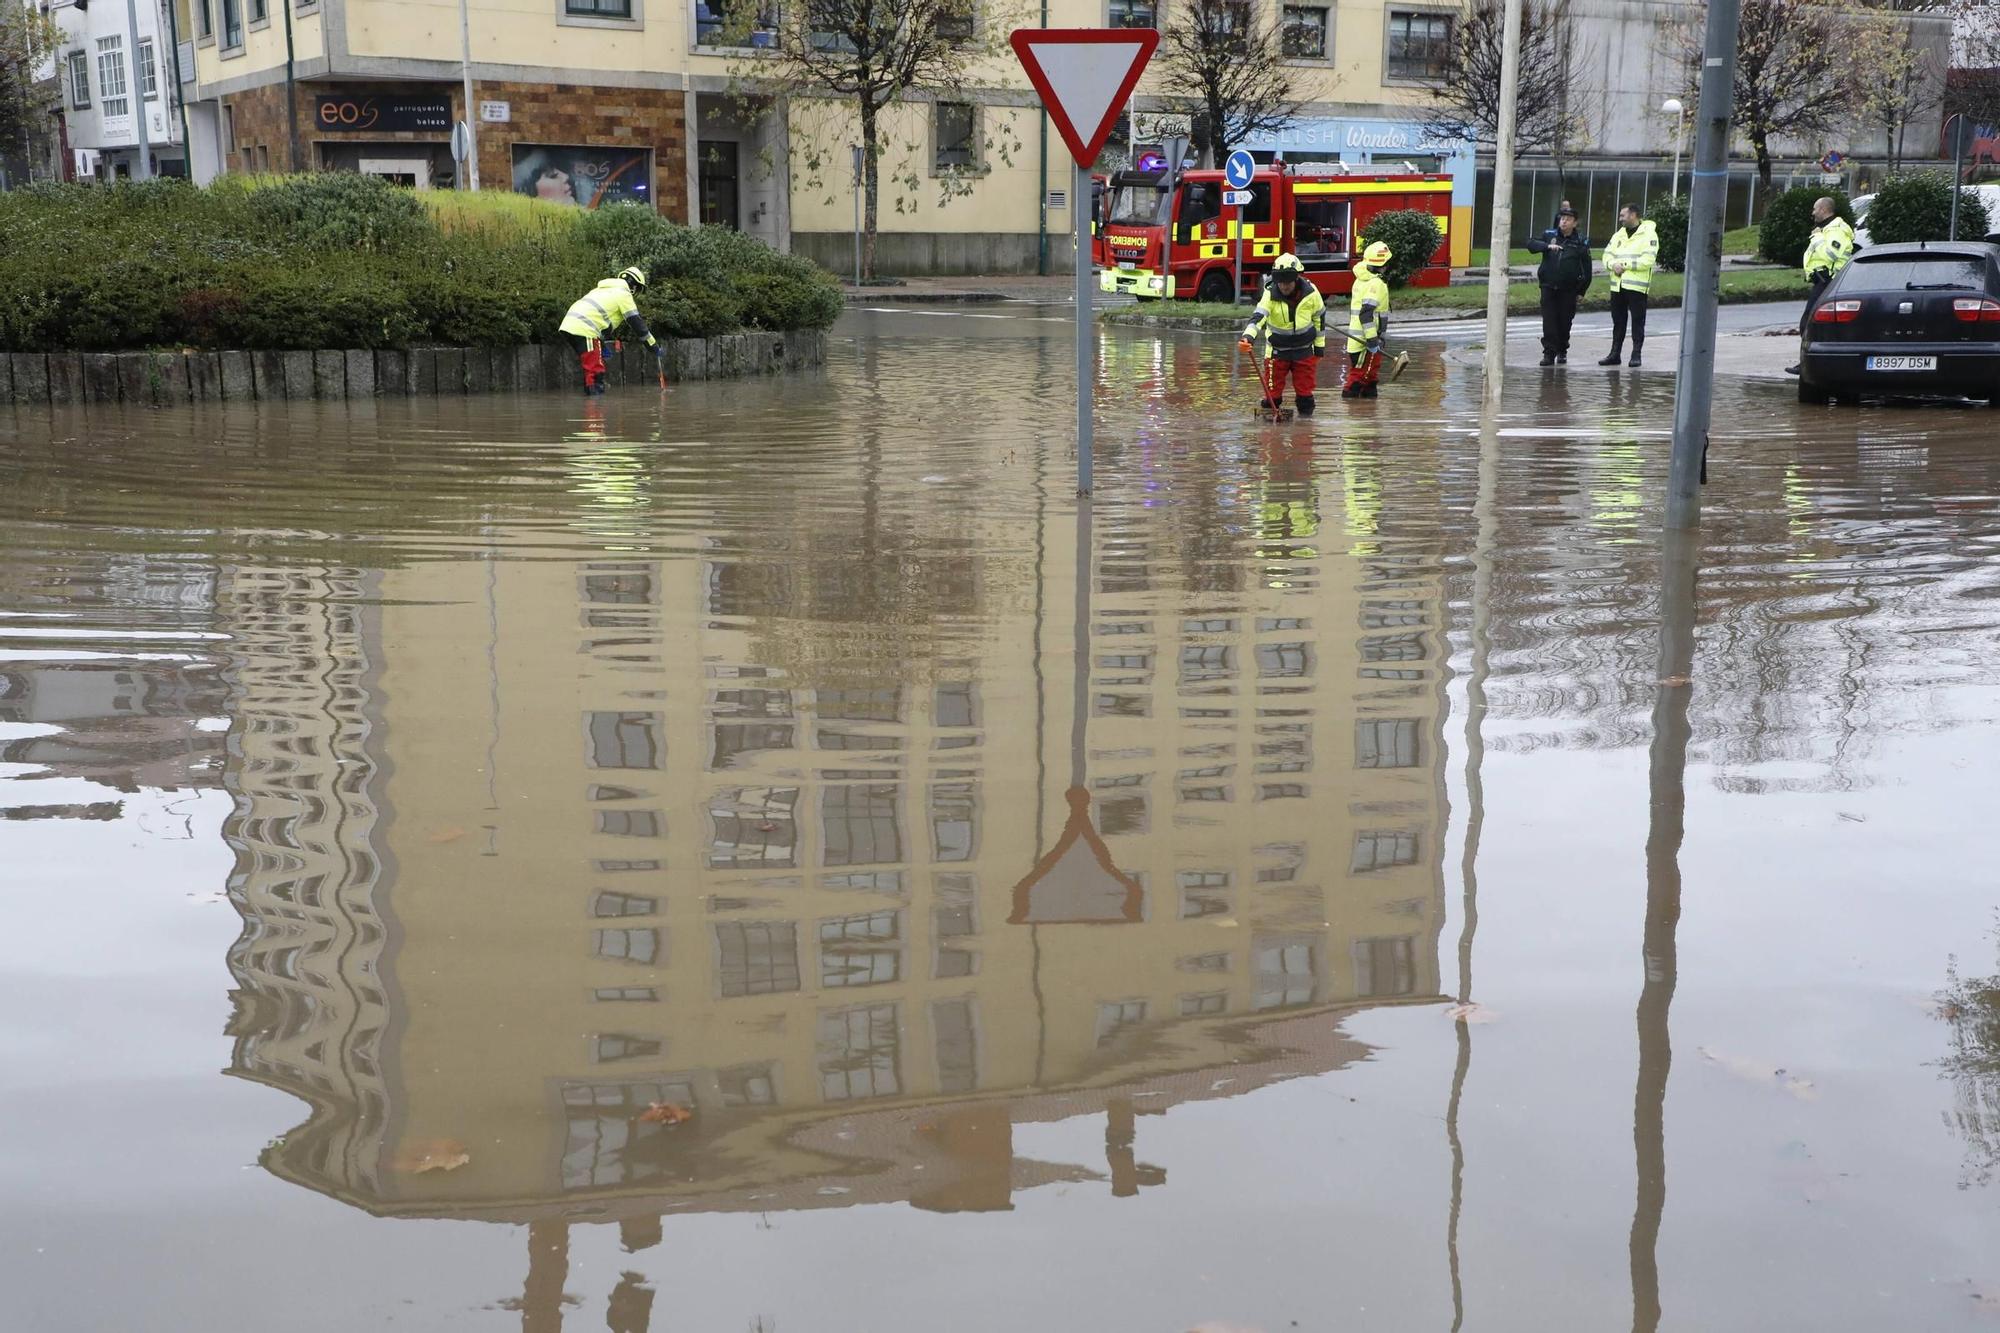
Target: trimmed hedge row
<point>342,260</point>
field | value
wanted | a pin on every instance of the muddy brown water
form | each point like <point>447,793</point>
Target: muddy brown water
<point>520,863</point>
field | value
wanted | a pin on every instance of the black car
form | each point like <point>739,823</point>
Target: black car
<point>1919,318</point>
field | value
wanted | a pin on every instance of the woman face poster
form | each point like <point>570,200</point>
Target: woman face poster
<point>583,176</point>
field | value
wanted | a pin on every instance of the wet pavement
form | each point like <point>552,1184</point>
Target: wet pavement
<point>518,863</point>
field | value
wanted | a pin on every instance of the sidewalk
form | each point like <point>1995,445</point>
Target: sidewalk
<point>1759,353</point>
<point>1053,289</point>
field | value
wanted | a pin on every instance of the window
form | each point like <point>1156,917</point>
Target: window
<point>1204,893</point>
<point>1305,32</point>
<point>734,738</point>
<point>1216,1002</point>
<point>603,1127</point>
<point>748,1085</point>
<point>1118,1017</point>
<point>260,10</point>
<point>598,9</point>
<point>623,904</point>
<point>954,821</point>
<point>956,1029</point>
<point>1229,23</point>
<point>614,1046</point>
<point>79,79</point>
<point>861,950</point>
<point>757,957</point>
<point>629,823</point>
<point>1386,743</point>
<point>1394,648</point>
<point>1385,967</point>
<point>1381,849</point>
<point>1419,45</point>
<point>739,24</point>
<point>625,740</point>
<point>952,128</point>
<point>861,826</point>
<point>955,24</point>
<point>956,705</point>
<point>204,19</point>
<point>1121,814</point>
<point>1134,13</point>
<point>232,23</point>
<point>149,72</point>
<point>621,588</point>
<point>754,827</point>
<point>625,995</point>
<point>111,76</point>
<point>1284,659</point>
<point>859,1053</point>
<point>627,946</point>
<point>1200,664</point>
<point>1287,968</point>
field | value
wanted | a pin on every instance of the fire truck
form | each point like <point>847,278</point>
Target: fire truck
<point>1156,239</point>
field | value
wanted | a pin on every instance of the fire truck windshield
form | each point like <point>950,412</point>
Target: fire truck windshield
<point>1137,205</point>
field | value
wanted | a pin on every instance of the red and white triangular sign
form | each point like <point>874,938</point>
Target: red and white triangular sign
<point>1085,77</point>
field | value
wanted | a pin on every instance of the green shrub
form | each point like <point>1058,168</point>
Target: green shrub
<point>1412,236</point>
<point>685,308</point>
<point>1917,207</point>
<point>1670,217</point>
<point>340,210</point>
<point>789,301</point>
<point>1788,223</point>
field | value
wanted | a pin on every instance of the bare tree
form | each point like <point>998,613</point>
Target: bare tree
<point>1905,82</point>
<point>858,58</point>
<point>1974,80</point>
<point>28,41</point>
<point>1226,62</point>
<point>1795,71</point>
<point>1548,113</point>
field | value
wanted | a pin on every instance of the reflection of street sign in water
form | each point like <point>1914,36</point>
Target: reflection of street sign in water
<point>1239,169</point>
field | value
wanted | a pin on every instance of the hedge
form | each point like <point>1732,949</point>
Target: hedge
<point>1412,236</point>
<point>1788,223</point>
<point>343,260</point>
<point>1917,207</point>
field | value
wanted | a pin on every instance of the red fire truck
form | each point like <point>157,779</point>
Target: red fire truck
<point>1152,243</point>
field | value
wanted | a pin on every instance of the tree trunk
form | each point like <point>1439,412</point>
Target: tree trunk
<point>869,184</point>
<point>1761,141</point>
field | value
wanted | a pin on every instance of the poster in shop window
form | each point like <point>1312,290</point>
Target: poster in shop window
<point>583,176</point>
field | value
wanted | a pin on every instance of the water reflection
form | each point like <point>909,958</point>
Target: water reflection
<point>760,900</point>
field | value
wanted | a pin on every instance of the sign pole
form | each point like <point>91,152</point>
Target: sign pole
<point>1086,329</point>
<point>471,111</point>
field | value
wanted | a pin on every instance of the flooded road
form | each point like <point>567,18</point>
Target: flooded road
<point>758,859</point>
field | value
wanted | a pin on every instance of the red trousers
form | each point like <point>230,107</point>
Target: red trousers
<point>1303,374</point>
<point>588,356</point>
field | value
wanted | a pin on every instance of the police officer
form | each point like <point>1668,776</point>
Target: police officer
<point>1292,314</point>
<point>1367,322</point>
<point>1827,252</point>
<point>1564,276</point>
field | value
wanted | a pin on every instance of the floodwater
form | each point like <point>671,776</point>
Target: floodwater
<point>656,863</point>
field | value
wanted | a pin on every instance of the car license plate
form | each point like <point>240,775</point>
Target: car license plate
<point>1127,264</point>
<point>1902,363</point>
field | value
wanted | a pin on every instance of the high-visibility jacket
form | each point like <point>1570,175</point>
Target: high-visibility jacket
<point>1831,246</point>
<point>1364,325</point>
<point>1629,256</point>
<point>602,309</point>
<point>1296,331</point>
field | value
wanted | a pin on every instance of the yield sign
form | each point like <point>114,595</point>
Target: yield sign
<point>1085,77</point>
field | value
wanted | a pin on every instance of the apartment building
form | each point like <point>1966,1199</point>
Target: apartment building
<point>728,830</point>
<point>117,76</point>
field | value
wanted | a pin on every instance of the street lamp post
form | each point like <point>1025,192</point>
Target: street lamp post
<point>1672,107</point>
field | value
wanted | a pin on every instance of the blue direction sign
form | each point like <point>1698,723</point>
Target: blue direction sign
<point>1239,169</point>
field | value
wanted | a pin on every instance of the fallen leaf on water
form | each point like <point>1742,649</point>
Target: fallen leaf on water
<point>1755,1072</point>
<point>446,835</point>
<point>421,1155</point>
<point>1470,1013</point>
<point>665,1113</point>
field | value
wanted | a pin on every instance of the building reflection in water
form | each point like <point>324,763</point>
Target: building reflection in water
<point>748,842</point>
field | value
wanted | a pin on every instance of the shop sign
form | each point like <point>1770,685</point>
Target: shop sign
<point>367,113</point>
<point>584,176</point>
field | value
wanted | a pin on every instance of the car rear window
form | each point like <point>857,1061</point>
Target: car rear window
<point>1897,273</point>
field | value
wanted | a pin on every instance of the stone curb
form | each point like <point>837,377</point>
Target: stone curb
<point>161,379</point>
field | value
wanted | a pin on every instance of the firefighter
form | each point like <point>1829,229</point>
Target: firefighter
<point>1827,252</point>
<point>1367,306</point>
<point>1292,314</point>
<point>599,313</point>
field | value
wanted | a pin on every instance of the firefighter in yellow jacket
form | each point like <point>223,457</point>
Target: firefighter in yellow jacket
<point>1367,308</point>
<point>597,315</point>
<point>1292,315</point>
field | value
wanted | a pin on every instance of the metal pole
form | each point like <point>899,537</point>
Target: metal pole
<point>1957,166</point>
<point>1236,292</point>
<point>1694,388</point>
<point>1503,206</point>
<point>144,169</point>
<point>1041,178</point>
<point>471,111</point>
<point>859,167</point>
<point>1086,330</point>
<point>180,98</point>
<point>1680,137</point>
